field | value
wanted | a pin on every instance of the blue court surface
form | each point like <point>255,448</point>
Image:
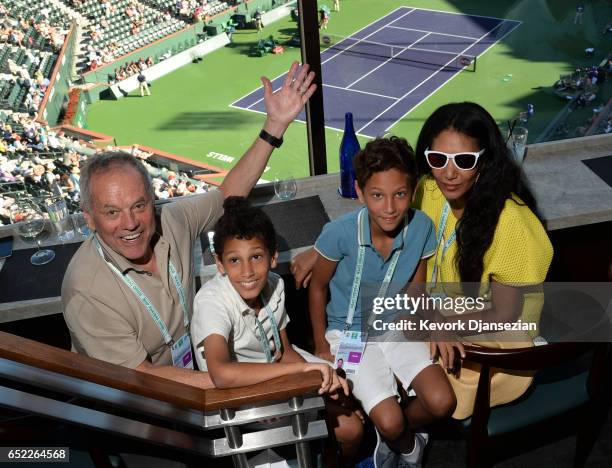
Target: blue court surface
<point>386,69</point>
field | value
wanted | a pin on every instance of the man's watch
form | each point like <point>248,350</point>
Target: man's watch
<point>272,140</point>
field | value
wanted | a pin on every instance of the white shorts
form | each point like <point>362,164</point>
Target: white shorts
<point>381,362</point>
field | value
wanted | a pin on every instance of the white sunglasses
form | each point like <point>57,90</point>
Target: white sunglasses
<point>466,160</point>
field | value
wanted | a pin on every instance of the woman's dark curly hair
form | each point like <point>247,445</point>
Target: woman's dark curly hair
<point>241,220</point>
<point>499,177</point>
<point>383,154</point>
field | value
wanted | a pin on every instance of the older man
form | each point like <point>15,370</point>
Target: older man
<point>127,294</point>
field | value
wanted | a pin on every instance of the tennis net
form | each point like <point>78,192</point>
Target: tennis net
<point>378,51</point>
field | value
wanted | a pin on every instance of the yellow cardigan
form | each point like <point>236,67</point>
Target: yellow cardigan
<point>519,254</point>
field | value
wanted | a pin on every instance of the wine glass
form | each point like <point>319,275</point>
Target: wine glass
<point>285,189</point>
<point>29,224</point>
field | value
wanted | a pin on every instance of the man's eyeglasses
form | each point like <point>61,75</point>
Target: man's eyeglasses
<point>465,160</point>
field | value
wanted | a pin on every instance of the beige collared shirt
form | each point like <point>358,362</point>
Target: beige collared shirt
<point>219,309</point>
<point>105,317</point>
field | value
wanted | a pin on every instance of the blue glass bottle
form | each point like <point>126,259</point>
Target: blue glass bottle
<point>348,148</point>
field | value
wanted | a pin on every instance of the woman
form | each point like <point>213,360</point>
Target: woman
<point>490,242</point>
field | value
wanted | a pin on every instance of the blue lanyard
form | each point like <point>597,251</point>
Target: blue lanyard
<point>384,287</point>
<point>263,338</point>
<point>440,241</point>
<point>145,300</point>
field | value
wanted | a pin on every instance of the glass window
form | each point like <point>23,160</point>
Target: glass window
<point>542,66</point>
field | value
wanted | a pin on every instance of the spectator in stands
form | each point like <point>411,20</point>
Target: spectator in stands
<point>5,213</point>
<point>181,189</point>
<point>135,28</point>
<point>138,153</point>
<point>116,195</point>
<point>130,11</point>
<point>226,310</point>
<point>75,178</point>
<point>67,185</point>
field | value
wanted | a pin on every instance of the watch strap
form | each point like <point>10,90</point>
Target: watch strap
<point>272,140</point>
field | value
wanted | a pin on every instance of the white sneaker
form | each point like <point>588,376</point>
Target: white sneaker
<point>416,457</point>
<point>384,456</point>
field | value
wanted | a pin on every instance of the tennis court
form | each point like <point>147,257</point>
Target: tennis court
<point>383,71</point>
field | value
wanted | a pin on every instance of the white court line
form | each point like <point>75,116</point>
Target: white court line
<point>502,20</point>
<point>389,25</point>
<point>358,41</point>
<point>445,52</point>
<point>442,84</point>
<point>392,98</point>
<point>431,76</point>
<point>365,38</point>
<point>359,91</point>
<point>387,61</point>
<point>336,129</point>
<point>434,32</point>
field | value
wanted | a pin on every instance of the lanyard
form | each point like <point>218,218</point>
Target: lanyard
<point>263,338</point>
<point>145,300</point>
<point>382,292</point>
<point>440,240</point>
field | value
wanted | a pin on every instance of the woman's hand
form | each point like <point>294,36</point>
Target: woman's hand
<point>444,348</point>
<point>285,104</point>
<point>301,267</point>
<point>332,383</point>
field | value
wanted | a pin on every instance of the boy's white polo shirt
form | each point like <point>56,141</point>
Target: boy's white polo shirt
<point>219,309</point>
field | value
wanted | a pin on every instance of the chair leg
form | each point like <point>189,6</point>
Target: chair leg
<point>589,425</point>
<point>477,453</point>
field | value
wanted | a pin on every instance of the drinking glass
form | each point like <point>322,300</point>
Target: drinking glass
<point>518,143</point>
<point>80,224</point>
<point>59,216</point>
<point>29,224</point>
<point>286,188</point>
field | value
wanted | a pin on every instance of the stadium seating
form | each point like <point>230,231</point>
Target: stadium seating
<point>120,37</point>
<point>35,32</point>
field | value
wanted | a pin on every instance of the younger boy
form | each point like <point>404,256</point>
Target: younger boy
<point>239,318</point>
<point>384,243</point>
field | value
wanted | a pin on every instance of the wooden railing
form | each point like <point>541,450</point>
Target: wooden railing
<point>53,359</point>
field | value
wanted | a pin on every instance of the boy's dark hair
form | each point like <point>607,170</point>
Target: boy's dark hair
<point>383,154</point>
<point>241,220</point>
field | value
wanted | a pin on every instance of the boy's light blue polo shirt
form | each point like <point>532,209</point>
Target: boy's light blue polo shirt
<point>338,242</point>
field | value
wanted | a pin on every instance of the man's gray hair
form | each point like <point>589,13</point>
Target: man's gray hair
<point>105,161</point>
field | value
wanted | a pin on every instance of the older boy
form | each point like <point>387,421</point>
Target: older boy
<point>386,244</point>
